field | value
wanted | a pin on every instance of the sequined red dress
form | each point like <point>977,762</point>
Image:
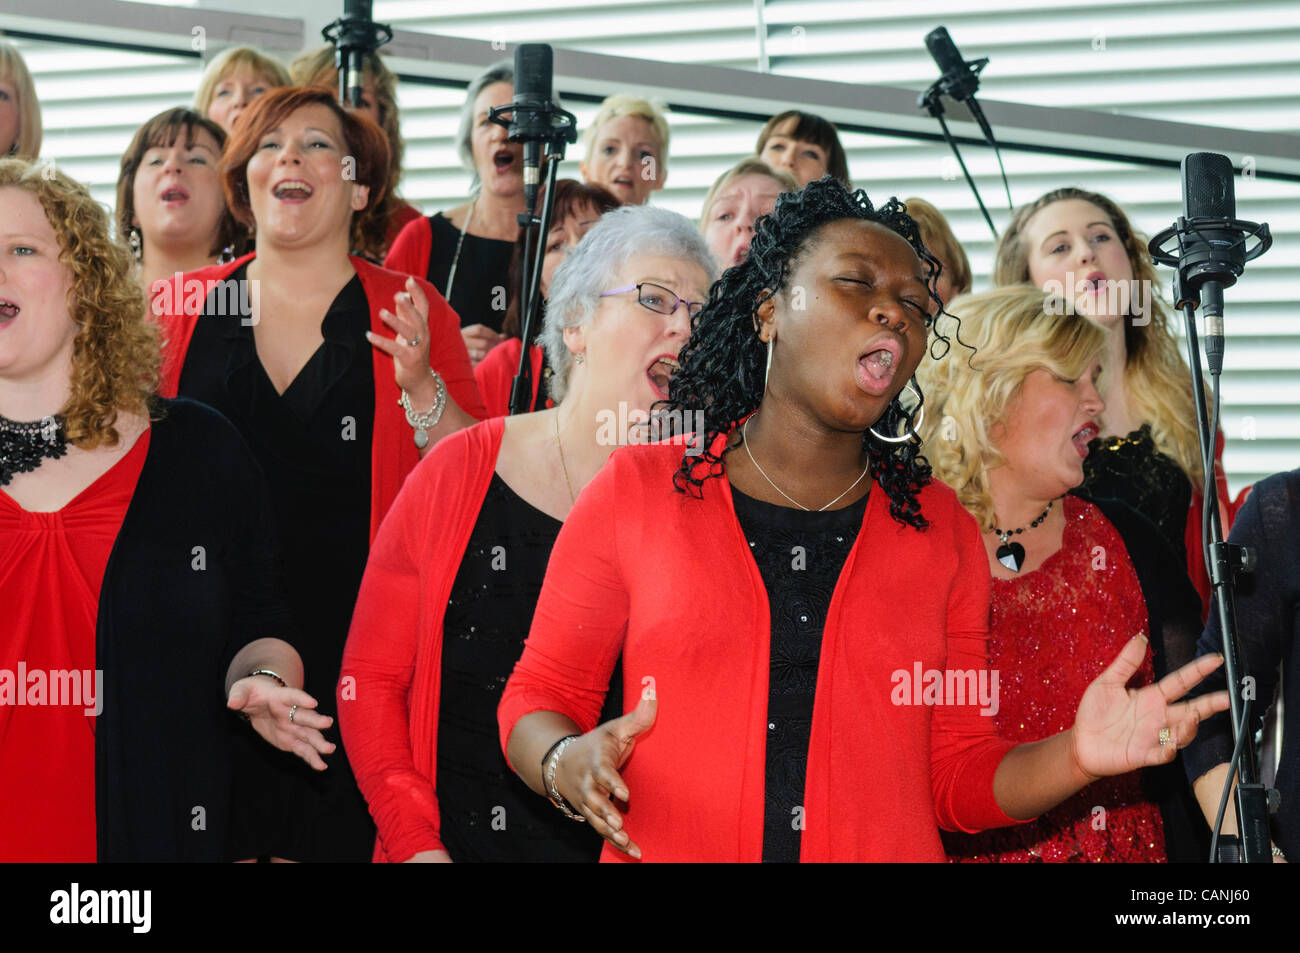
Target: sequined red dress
<point>1051,632</point>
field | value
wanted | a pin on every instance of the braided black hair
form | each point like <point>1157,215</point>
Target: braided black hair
<point>722,365</point>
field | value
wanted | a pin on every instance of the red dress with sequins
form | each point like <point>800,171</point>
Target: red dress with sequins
<point>1051,632</point>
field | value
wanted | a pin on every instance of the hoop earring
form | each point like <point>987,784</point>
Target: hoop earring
<point>133,239</point>
<point>914,434</point>
<point>768,370</point>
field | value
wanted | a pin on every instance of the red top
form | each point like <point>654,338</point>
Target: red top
<point>404,214</point>
<point>1053,631</point>
<point>393,453</point>
<point>393,658</point>
<point>495,375</point>
<point>667,580</point>
<point>51,569</point>
<point>409,251</point>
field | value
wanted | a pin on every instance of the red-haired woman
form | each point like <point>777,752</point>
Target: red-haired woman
<point>306,368</point>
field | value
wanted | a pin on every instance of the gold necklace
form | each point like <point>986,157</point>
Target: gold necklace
<point>559,446</point>
<point>745,433</point>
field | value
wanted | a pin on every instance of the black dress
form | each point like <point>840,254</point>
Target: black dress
<point>314,445</point>
<point>486,812</point>
<point>1268,617</point>
<point>481,292</point>
<point>166,633</point>
<point>800,556</point>
<point>1130,469</point>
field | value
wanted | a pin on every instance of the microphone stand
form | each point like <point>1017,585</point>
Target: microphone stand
<point>930,100</point>
<point>564,130</point>
<point>1223,561</point>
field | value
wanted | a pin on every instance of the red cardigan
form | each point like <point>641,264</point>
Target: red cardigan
<point>410,250</point>
<point>667,580</point>
<point>392,664</point>
<point>495,375</point>
<point>393,453</point>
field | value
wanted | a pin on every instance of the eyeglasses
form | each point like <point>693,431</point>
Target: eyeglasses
<point>658,299</point>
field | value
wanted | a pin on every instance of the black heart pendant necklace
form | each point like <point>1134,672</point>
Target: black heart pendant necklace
<point>1012,555</point>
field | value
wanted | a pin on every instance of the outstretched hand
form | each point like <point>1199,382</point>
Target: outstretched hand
<point>268,707</point>
<point>587,774</point>
<point>1119,729</point>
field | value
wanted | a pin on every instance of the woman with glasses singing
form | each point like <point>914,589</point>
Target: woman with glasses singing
<point>784,602</point>
<point>454,574</point>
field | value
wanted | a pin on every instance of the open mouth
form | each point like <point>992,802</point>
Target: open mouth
<point>1083,437</point>
<point>875,368</point>
<point>8,311</point>
<point>175,194</point>
<point>660,372</point>
<point>503,159</point>
<point>741,254</point>
<point>293,190</point>
<point>1094,283</point>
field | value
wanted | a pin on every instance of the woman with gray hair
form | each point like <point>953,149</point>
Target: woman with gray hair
<point>465,253</point>
<point>454,574</point>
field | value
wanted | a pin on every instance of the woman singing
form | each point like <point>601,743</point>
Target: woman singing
<point>1008,428</point>
<point>454,574</point>
<point>778,600</point>
<point>313,380</point>
<point>138,570</point>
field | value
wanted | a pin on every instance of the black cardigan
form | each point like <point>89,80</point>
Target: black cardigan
<point>1268,617</point>
<point>1174,618</point>
<point>193,576</point>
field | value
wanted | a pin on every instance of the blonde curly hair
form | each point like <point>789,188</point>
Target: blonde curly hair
<point>115,354</point>
<point>1014,330</point>
<point>1155,376</point>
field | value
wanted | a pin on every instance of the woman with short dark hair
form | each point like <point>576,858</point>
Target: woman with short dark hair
<point>311,374</point>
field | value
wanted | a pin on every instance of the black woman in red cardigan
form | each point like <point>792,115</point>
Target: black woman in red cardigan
<point>803,612</point>
<point>340,375</point>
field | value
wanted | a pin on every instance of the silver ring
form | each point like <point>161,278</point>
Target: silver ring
<point>294,710</point>
<point>414,342</point>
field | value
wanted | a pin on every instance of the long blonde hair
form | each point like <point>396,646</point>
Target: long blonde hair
<point>1014,331</point>
<point>1155,376</point>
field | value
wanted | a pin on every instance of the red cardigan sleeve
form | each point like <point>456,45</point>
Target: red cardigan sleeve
<point>411,249</point>
<point>448,355</point>
<point>965,750</point>
<point>581,619</point>
<point>379,658</point>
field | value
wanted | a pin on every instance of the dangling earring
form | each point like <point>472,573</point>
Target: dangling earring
<point>133,239</point>
<point>580,357</point>
<point>914,433</point>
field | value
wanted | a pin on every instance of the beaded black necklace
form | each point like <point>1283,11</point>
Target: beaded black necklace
<point>1012,555</point>
<point>23,446</point>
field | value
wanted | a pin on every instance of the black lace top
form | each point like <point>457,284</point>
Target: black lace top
<point>799,555</point>
<point>487,813</point>
<point>1130,469</point>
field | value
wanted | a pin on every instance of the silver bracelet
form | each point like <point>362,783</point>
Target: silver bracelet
<point>423,423</point>
<point>551,790</point>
